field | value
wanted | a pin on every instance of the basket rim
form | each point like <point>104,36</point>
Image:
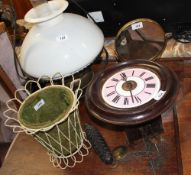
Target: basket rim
<point>58,119</point>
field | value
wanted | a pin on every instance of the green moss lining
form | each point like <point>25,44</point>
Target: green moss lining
<point>58,101</point>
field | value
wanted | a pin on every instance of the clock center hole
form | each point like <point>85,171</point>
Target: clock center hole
<point>129,85</point>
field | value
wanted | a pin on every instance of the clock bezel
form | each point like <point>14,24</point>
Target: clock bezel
<point>135,115</point>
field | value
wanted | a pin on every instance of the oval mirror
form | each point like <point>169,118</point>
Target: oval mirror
<point>140,39</point>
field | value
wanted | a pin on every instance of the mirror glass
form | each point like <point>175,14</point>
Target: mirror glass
<point>140,39</point>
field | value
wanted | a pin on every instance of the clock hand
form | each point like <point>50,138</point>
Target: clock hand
<point>131,94</point>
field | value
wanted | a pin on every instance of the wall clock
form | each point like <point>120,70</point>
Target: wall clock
<point>132,92</point>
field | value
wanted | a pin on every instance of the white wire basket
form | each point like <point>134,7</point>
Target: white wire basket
<point>51,116</point>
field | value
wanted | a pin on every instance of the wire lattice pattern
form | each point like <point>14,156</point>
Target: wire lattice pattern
<point>64,138</point>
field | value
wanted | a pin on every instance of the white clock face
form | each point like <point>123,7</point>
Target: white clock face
<point>131,87</point>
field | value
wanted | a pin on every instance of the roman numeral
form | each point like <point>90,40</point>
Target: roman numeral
<point>133,73</point>
<point>138,100</point>
<point>149,78</point>
<point>123,75</point>
<point>143,73</point>
<point>115,79</point>
<point>147,92</point>
<point>116,99</point>
<point>126,101</point>
<point>152,85</point>
<point>110,86</point>
<point>111,93</point>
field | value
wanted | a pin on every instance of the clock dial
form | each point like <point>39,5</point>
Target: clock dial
<point>131,88</point>
<point>131,92</point>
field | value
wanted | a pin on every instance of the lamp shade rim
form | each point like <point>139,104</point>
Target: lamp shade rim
<point>55,8</point>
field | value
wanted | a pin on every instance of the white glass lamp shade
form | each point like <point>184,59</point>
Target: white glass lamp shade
<point>59,42</point>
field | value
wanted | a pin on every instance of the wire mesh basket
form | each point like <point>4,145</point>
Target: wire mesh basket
<point>51,116</point>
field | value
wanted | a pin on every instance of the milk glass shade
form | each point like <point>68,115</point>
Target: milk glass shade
<point>59,42</point>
